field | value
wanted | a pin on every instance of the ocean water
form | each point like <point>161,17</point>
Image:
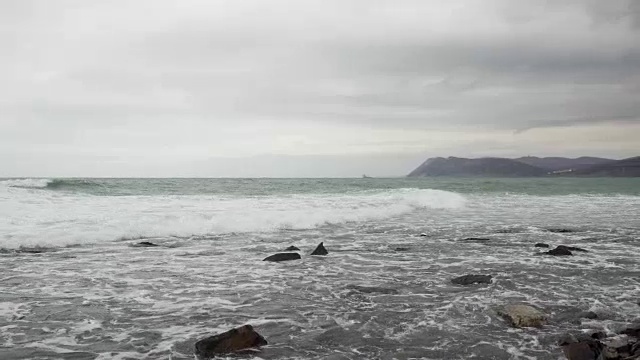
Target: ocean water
<point>74,286</point>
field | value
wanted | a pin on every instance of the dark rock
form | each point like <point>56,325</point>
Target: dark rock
<point>560,231</point>
<point>598,335</point>
<point>541,245</point>
<point>559,251</point>
<point>233,341</point>
<point>588,315</point>
<point>632,329</point>
<point>472,279</point>
<point>581,351</point>
<point>283,257</point>
<point>580,347</point>
<point>618,347</point>
<point>372,289</point>
<point>32,250</point>
<point>145,244</point>
<point>574,315</point>
<point>292,248</point>
<point>599,346</point>
<point>574,338</point>
<point>320,250</point>
<point>572,248</point>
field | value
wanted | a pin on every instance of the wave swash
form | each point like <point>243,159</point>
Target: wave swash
<point>74,285</point>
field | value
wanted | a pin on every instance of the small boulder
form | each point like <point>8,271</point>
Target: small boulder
<point>472,279</point>
<point>292,248</point>
<point>283,257</point>
<point>523,315</point>
<point>320,250</point>
<point>559,251</point>
<point>235,340</point>
<point>541,245</point>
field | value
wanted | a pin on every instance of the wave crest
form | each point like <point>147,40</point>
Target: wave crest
<point>41,219</point>
<point>27,183</point>
<point>50,184</point>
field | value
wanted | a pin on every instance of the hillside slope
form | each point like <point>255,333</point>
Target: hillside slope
<point>621,168</point>
<point>562,163</point>
<point>453,166</point>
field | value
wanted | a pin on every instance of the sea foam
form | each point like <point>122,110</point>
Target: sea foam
<point>30,217</point>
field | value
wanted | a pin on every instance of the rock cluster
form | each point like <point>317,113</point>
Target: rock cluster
<point>622,346</point>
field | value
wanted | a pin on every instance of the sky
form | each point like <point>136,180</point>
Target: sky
<point>311,88</point>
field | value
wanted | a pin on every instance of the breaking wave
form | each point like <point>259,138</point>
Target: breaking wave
<point>51,219</point>
<point>51,184</point>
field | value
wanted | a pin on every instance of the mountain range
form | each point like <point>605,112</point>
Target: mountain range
<point>529,166</point>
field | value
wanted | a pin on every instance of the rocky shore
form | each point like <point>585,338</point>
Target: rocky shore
<point>593,342</point>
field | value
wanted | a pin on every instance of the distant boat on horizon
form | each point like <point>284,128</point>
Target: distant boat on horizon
<point>365,176</point>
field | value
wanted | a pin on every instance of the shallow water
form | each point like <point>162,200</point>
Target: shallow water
<point>73,287</point>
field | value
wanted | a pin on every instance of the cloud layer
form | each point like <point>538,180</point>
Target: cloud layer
<point>182,82</point>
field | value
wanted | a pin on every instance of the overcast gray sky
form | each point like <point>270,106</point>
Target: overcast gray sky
<point>311,87</point>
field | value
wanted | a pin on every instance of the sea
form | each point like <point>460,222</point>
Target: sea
<point>74,284</point>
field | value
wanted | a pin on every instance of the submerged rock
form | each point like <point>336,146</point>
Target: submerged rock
<point>559,251</point>
<point>560,230</point>
<point>479,239</point>
<point>320,250</point>
<point>574,315</point>
<point>235,340</point>
<point>145,244</point>
<point>33,250</point>
<point>541,245</point>
<point>472,279</point>
<point>292,248</point>
<point>372,289</point>
<point>283,257</point>
<point>523,315</point>
<point>588,315</point>
<point>572,248</point>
